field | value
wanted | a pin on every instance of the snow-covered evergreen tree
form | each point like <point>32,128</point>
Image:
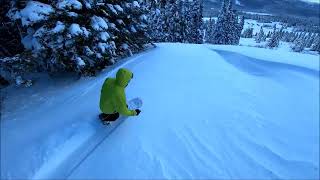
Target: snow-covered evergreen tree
<point>209,28</point>
<point>247,33</point>
<point>316,45</point>
<point>227,27</point>
<point>10,39</point>
<point>155,21</point>
<point>310,39</point>
<point>299,45</point>
<point>269,34</point>
<point>82,35</point>
<point>180,21</point>
<point>261,37</point>
<point>275,38</point>
<point>195,23</point>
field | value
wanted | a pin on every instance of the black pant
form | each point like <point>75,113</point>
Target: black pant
<point>109,117</point>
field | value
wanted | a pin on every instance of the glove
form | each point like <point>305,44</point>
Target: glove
<point>137,112</point>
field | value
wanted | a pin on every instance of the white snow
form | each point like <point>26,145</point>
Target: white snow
<point>63,4</point>
<point>103,47</point>
<point>59,27</point>
<point>258,13</point>
<point>238,3</point>
<point>209,112</point>
<point>133,29</point>
<point>33,12</point>
<point>110,6</point>
<point>72,14</point>
<point>113,26</point>
<point>85,32</point>
<point>19,81</point>
<point>98,23</point>
<point>267,27</point>
<point>125,46</point>
<point>311,1</point>
<point>280,55</point>
<point>104,36</point>
<point>119,8</point>
<point>88,5</point>
<point>30,41</point>
<point>136,4</point>
<point>143,17</point>
<point>79,61</point>
<point>120,21</point>
<point>88,51</point>
<point>75,29</point>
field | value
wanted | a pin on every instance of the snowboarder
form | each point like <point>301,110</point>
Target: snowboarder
<point>113,98</point>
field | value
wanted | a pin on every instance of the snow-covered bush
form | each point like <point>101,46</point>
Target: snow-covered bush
<point>81,35</point>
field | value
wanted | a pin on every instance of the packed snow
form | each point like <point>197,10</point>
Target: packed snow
<point>209,112</point>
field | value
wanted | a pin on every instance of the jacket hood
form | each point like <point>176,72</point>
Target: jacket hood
<point>123,77</point>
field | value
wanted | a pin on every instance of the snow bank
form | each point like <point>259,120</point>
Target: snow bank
<point>280,55</point>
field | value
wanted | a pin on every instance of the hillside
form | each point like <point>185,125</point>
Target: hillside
<point>209,112</point>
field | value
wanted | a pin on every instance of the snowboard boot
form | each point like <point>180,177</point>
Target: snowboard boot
<point>106,119</point>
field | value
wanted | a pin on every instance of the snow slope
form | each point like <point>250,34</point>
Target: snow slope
<point>208,112</point>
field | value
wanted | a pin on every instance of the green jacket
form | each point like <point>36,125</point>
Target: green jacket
<point>113,97</point>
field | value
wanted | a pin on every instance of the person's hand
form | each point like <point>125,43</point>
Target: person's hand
<point>137,112</point>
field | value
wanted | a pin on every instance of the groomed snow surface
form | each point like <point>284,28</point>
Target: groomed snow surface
<point>210,112</point>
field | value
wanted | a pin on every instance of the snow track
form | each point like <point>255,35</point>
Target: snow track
<point>207,114</point>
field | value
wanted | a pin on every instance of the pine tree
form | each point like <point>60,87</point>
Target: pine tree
<point>269,34</point>
<point>247,33</point>
<point>316,45</point>
<point>227,27</point>
<point>261,36</point>
<point>275,38</point>
<point>10,38</point>
<point>310,39</point>
<point>240,28</point>
<point>84,36</point>
<point>155,21</point>
<point>209,27</point>
<point>196,22</point>
<point>299,45</point>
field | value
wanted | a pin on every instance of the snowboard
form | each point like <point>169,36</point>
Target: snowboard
<point>135,103</point>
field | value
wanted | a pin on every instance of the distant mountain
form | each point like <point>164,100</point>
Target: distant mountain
<point>276,7</point>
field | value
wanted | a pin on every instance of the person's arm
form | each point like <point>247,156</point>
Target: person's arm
<point>121,106</point>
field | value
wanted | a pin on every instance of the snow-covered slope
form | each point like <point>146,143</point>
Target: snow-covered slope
<point>207,113</point>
